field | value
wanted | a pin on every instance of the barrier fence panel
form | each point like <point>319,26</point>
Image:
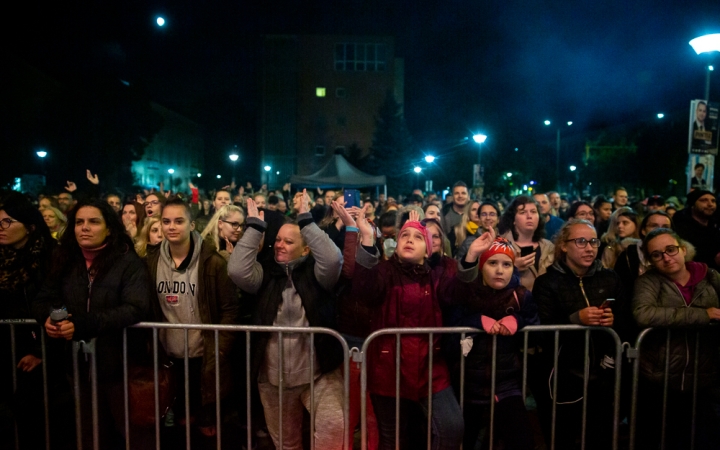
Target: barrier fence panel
<point>641,345</point>
<point>463,331</point>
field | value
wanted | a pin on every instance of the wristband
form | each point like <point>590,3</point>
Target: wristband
<point>352,229</point>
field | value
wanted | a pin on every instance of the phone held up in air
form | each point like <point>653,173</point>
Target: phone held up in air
<point>351,197</point>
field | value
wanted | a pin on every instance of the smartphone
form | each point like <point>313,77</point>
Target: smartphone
<point>351,197</point>
<point>525,251</point>
<point>606,303</point>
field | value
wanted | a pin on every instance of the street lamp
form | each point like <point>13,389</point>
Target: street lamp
<point>429,159</point>
<point>660,115</point>
<point>234,157</point>
<point>171,171</point>
<point>160,21</point>
<point>707,44</point>
<point>417,169</point>
<point>41,153</point>
<point>219,176</point>
<point>557,153</point>
<point>479,138</point>
<point>573,168</point>
<point>267,168</point>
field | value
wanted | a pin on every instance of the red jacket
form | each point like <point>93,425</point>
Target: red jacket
<point>404,296</point>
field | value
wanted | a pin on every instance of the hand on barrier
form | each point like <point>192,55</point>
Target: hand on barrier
<point>60,330</point>
<point>29,362</point>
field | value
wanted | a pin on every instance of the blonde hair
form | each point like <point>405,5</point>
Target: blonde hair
<point>564,234</point>
<point>60,217</point>
<point>223,213</point>
<point>143,237</point>
<point>461,228</point>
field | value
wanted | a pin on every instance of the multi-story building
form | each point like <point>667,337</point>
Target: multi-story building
<point>320,96</point>
<point>175,155</point>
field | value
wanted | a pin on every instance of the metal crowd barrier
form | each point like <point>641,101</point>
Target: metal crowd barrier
<point>88,348</point>
<point>397,332</point>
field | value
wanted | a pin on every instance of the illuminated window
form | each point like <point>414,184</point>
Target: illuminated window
<point>360,57</point>
<point>320,92</point>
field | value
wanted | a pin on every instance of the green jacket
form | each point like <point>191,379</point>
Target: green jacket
<point>658,303</point>
<point>218,304</point>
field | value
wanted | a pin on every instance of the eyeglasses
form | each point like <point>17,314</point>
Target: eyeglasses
<point>490,214</point>
<point>153,203</point>
<point>234,225</point>
<point>5,223</point>
<point>670,250</point>
<point>582,242</point>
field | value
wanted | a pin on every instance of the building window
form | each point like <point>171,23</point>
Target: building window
<point>319,150</point>
<point>340,93</point>
<point>360,57</point>
<point>320,92</point>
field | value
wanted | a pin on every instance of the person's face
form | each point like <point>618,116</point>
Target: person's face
<point>625,227</point>
<point>701,112</point>
<point>667,265</point>
<point>699,172</point>
<point>544,203</point>
<point>497,271</point>
<point>554,200</point>
<point>206,205</point>
<point>50,220</point>
<point>155,236</point>
<point>282,206</point>
<point>432,212</point>
<point>388,232</point>
<point>260,201</point>
<point>670,211</point>
<point>152,205</point>
<point>585,212</point>
<point>488,217</point>
<point>381,198</point>
<point>621,198</point>
<point>230,227</point>
<point>460,195</point>
<point>66,202</point>
<point>474,216</point>
<point>435,237</point>
<point>564,204</point>
<point>44,203</point>
<point>90,228</point>
<point>329,197</point>
<point>15,235</point>
<point>411,246</point>
<point>129,214</point>
<point>222,198</point>
<point>114,201</point>
<point>527,218</point>
<point>176,225</point>
<point>579,259</point>
<point>289,244</point>
<point>605,211</point>
<point>656,221</point>
<point>705,206</point>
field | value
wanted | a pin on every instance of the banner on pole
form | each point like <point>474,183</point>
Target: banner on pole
<point>703,130</point>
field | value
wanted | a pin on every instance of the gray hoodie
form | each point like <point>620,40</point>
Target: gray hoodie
<point>247,273</point>
<point>178,297</point>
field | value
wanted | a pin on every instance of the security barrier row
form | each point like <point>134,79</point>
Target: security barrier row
<point>88,351</point>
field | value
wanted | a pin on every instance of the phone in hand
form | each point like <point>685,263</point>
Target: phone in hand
<point>607,303</point>
<point>525,251</point>
<point>351,197</point>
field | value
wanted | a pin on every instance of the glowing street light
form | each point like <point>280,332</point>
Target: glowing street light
<point>199,175</point>
<point>547,122</point>
<point>429,159</point>
<point>41,153</point>
<point>160,21</point>
<point>219,176</point>
<point>509,174</point>
<point>234,157</point>
<point>660,115</point>
<point>557,152</point>
<point>417,169</point>
<point>479,138</point>
<point>171,171</point>
<point>573,168</point>
<point>267,168</point>
<point>707,44</point>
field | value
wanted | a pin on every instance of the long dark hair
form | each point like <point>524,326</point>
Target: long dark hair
<point>116,243</point>
<point>507,220</point>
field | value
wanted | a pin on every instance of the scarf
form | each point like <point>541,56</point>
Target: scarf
<point>18,265</point>
<point>472,228</point>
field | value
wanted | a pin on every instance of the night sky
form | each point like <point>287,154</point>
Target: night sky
<point>496,67</point>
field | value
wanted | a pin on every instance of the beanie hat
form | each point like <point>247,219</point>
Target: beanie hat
<point>421,228</point>
<point>695,195</point>
<point>499,246</point>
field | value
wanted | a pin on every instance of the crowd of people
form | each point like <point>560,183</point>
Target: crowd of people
<point>307,259</point>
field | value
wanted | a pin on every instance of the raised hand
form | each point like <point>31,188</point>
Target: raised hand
<point>414,216</point>
<point>286,187</point>
<point>71,186</point>
<point>241,190</point>
<point>139,198</point>
<point>480,245</point>
<point>92,178</point>
<point>229,247</point>
<point>343,214</point>
<point>252,210</point>
<point>305,202</point>
<point>367,234</point>
<point>191,185</point>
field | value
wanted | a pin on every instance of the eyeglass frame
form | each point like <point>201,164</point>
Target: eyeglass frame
<point>7,221</point>
<point>587,241</point>
<point>658,255</point>
<point>235,225</point>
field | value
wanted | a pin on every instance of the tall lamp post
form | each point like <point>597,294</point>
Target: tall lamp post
<point>42,154</point>
<point>557,153</point>
<point>477,174</point>
<point>234,157</point>
<point>708,43</point>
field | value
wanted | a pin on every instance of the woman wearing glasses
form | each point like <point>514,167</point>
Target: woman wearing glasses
<point>577,290</point>
<point>681,295</point>
<point>225,229</point>
<point>582,210</point>
<point>489,216</point>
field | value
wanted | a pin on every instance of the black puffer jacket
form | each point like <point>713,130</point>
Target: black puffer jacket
<point>658,303</point>
<point>515,301</point>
